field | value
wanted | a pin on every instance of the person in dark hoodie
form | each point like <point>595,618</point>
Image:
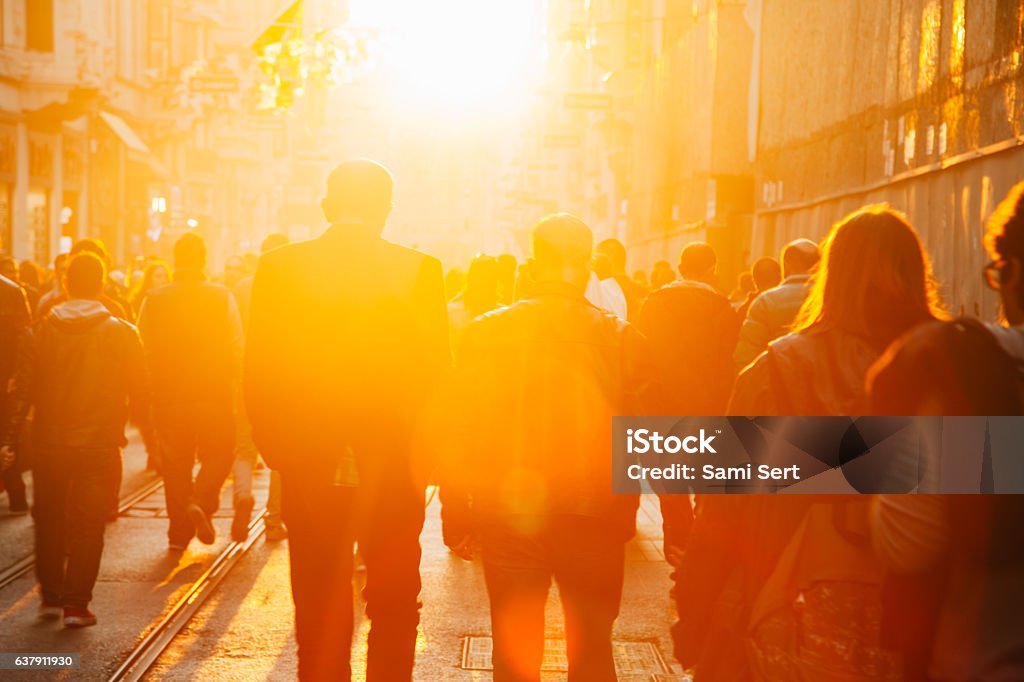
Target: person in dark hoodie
<point>80,371</point>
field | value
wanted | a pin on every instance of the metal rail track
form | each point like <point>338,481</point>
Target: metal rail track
<point>156,642</point>
<point>26,563</point>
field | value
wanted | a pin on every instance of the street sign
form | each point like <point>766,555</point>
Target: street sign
<point>214,84</point>
<point>594,101</point>
<point>562,141</point>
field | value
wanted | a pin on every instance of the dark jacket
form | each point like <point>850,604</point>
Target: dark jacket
<point>536,388</point>
<point>192,335</point>
<point>347,338</point>
<point>769,317</point>
<point>813,373</point>
<point>79,371</point>
<point>14,322</point>
<point>692,330</point>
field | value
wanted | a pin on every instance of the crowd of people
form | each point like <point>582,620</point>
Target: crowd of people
<point>361,373</point>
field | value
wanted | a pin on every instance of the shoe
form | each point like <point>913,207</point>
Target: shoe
<point>243,515</point>
<point>276,533</point>
<point>205,531</point>
<point>49,611</point>
<point>177,546</point>
<point>78,617</point>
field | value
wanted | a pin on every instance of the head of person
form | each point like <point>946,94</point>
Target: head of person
<point>8,268</point>
<point>697,262</point>
<point>189,253</point>
<point>359,196</point>
<point>30,274</point>
<point>615,252</point>
<point>744,285</point>
<point>481,290</point>
<point>234,269</point>
<point>561,246</point>
<point>1004,241</point>
<point>156,274</point>
<point>944,369</point>
<point>640,277</point>
<point>85,276</point>
<point>93,246</point>
<point>602,266</point>
<point>874,280</point>
<point>274,240</point>
<point>799,257</point>
<point>766,273</point>
<point>662,274</point>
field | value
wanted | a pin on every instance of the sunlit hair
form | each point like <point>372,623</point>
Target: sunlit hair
<point>874,279</point>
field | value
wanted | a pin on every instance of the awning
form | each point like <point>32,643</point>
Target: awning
<point>124,132</point>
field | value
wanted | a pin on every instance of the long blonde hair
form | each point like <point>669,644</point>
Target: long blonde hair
<point>874,279</point>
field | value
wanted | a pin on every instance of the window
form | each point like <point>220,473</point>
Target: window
<point>39,25</point>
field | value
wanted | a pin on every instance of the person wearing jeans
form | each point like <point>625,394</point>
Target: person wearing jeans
<point>81,372</point>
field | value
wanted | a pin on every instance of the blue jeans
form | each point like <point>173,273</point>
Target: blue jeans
<point>587,563</point>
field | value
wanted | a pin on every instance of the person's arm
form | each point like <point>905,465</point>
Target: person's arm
<point>754,335</point>
<point>137,379</point>
<point>236,337</point>
<point>21,390</point>
<point>452,428</point>
<point>909,533</point>
<point>265,346</point>
<point>753,395</point>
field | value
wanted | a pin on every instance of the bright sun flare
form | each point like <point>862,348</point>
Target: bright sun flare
<point>451,56</point>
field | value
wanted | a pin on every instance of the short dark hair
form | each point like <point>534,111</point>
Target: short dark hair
<point>766,272</point>
<point>562,239</point>
<point>85,275</point>
<point>360,187</point>
<point>189,252</point>
<point>616,252</point>
<point>91,245</point>
<point>697,258</point>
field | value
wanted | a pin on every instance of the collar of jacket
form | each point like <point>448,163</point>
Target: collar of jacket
<point>795,279</point>
<point>189,276</point>
<point>556,288</point>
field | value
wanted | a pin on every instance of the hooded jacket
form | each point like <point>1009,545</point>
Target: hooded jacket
<point>79,371</point>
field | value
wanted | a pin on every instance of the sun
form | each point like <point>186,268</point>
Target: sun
<point>469,57</point>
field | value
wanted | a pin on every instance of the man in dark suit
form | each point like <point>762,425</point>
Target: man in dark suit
<point>347,338</point>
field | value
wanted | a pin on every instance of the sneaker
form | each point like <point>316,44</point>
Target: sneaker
<point>243,514</point>
<point>204,527</point>
<point>276,533</point>
<point>177,546</point>
<point>49,611</point>
<point>78,617</point>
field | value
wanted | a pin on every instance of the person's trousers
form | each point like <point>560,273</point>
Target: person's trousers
<point>246,459</point>
<point>14,485</point>
<point>323,524</point>
<point>187,432</point>
<point>586,561</point>
<point>72,491</point>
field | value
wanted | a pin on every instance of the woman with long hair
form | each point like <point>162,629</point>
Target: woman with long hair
<point>873,285</point>
<point>802,588</point>
<point>156,274</point>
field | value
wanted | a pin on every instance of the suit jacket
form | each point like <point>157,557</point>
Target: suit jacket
<point>347,338</point>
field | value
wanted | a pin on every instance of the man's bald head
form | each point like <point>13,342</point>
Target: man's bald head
<point>799,257</point>
<point>562,247</point>
<point>359,193</point>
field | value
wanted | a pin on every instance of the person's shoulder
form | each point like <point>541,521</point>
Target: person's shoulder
<point>408,255</point>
